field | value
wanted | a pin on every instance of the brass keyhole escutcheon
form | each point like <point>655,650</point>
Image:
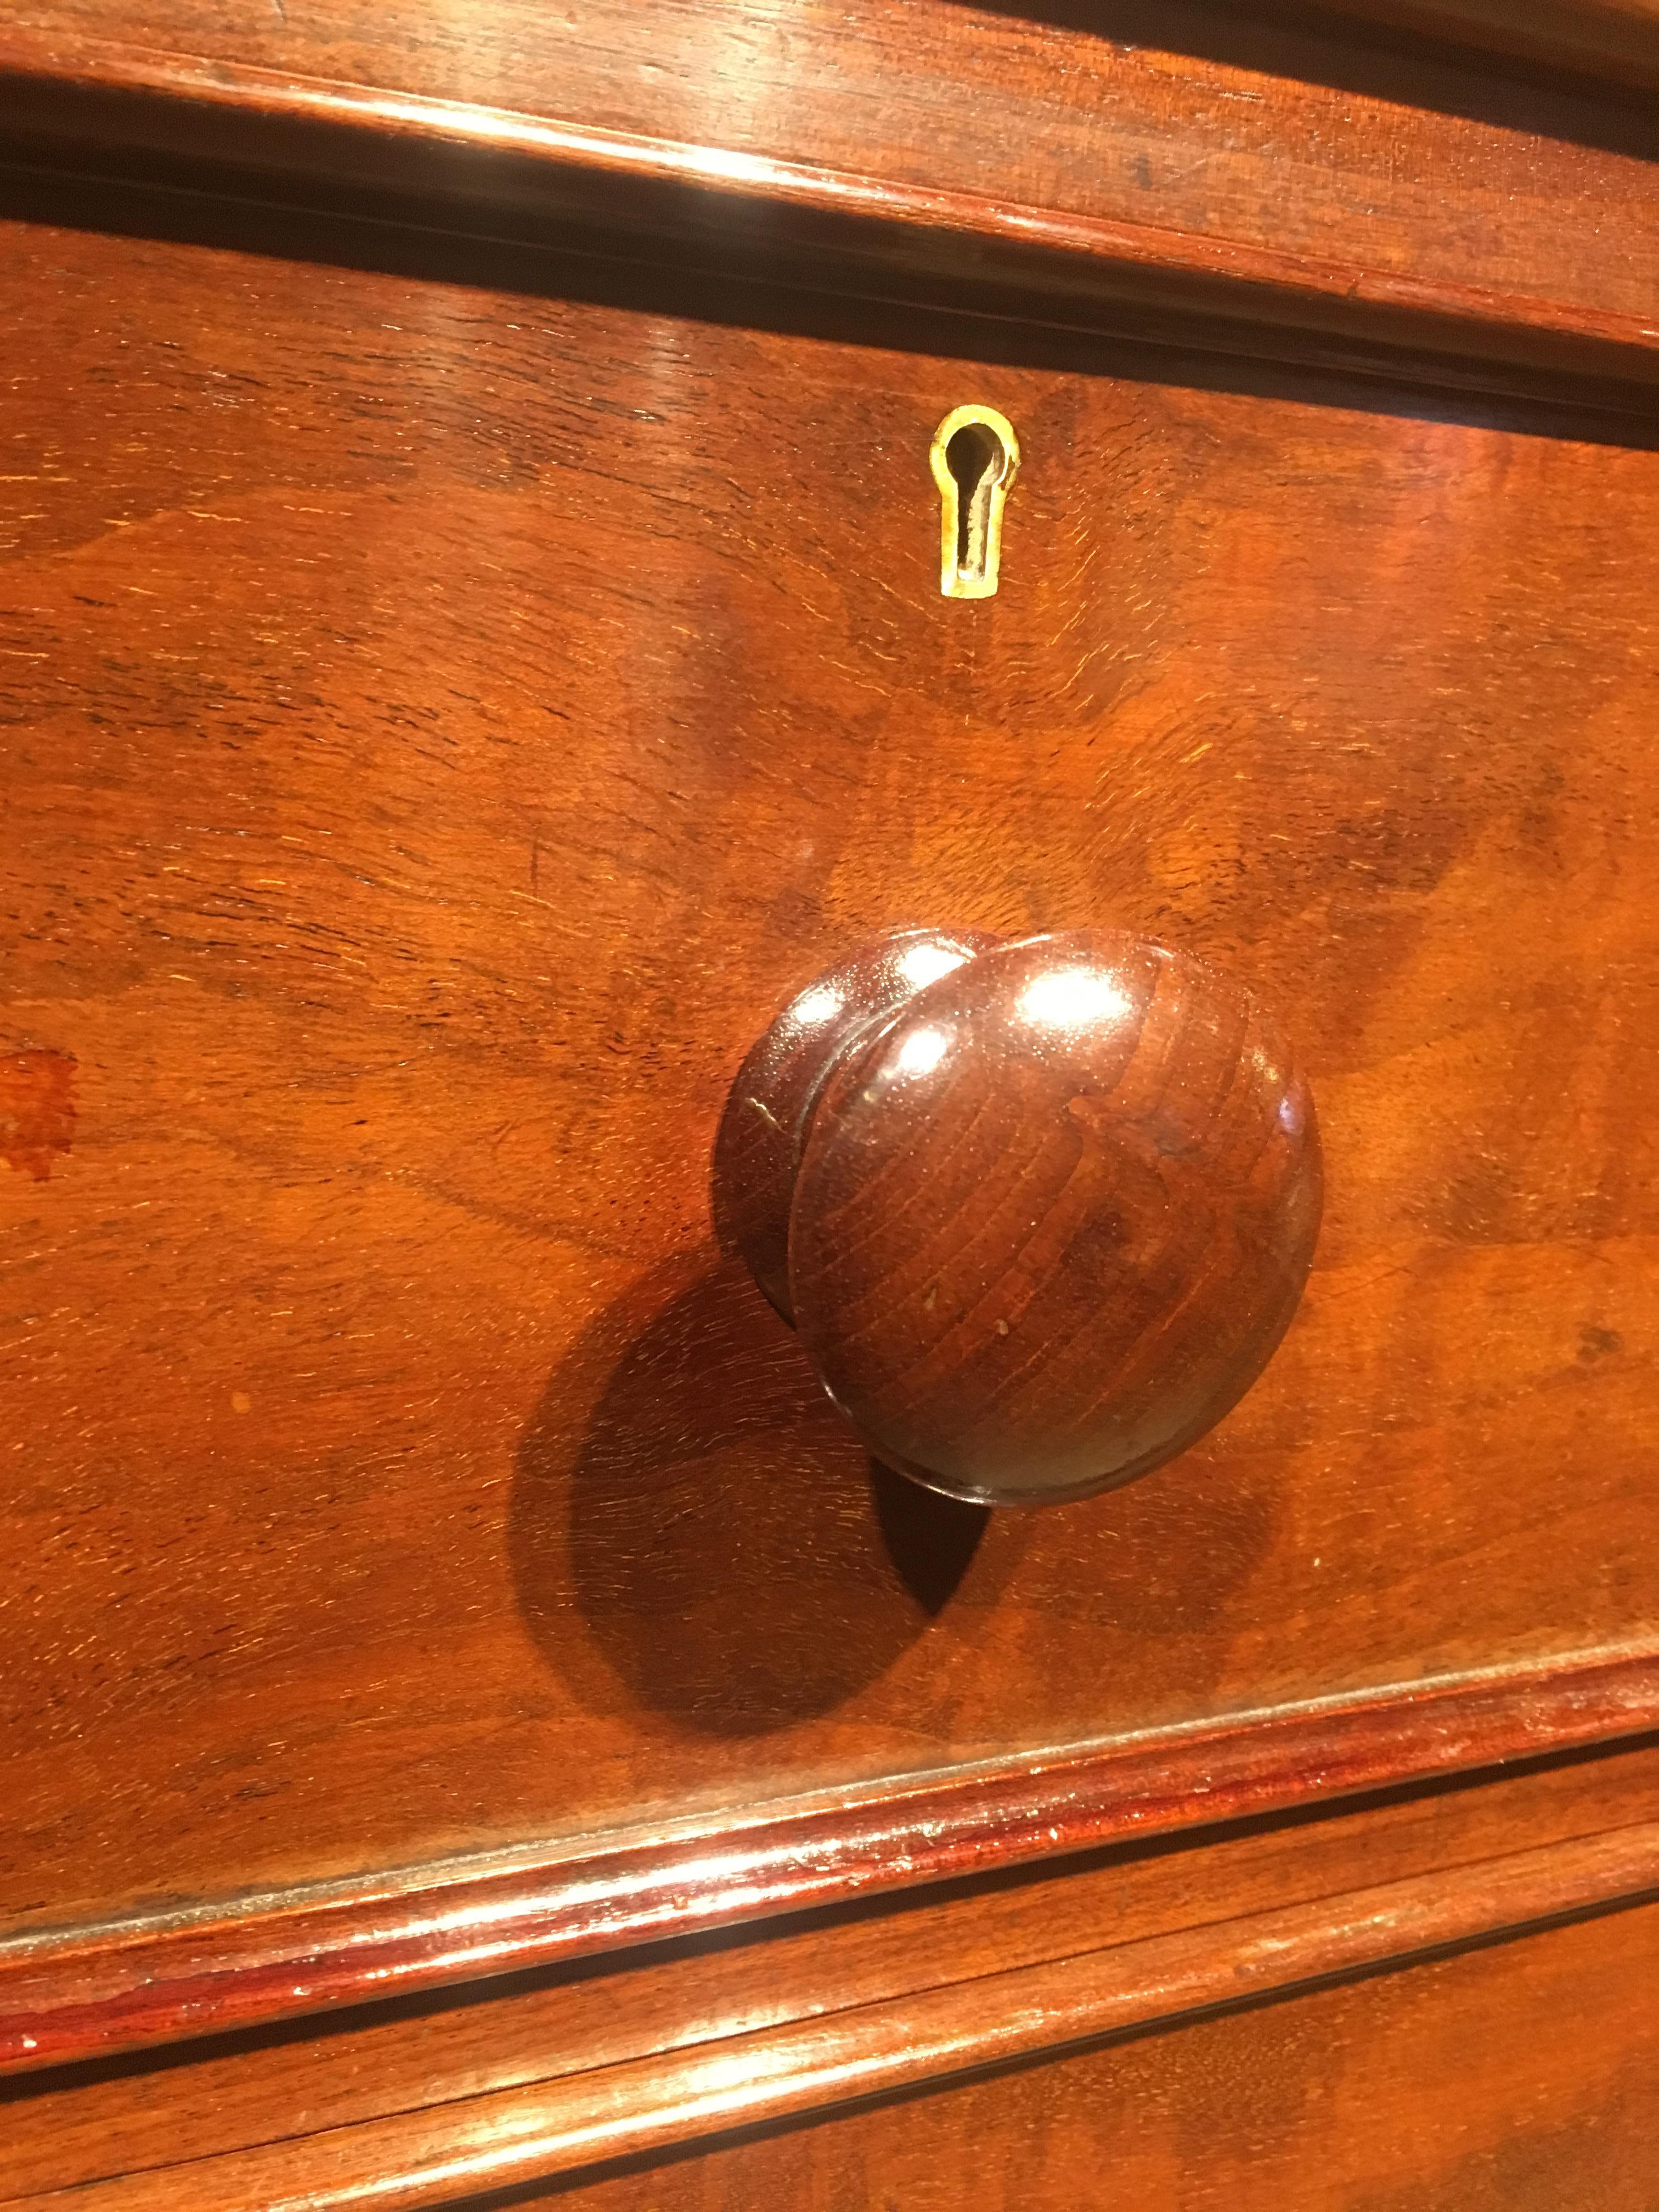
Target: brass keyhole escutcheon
<point>973,457</point>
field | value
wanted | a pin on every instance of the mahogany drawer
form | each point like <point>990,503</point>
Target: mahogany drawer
<point>456,688</point>
<point>448,718</point>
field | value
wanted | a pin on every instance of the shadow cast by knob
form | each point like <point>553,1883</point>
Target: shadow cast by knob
<point>713,1545</point>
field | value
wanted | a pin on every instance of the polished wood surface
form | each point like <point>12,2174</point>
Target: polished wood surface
<point>1127,161</point>
<point>254,1960</point>
<point>482,622</point>
<point>1049,1215</point>
<point>411,665</point>
<point>497,2141</point>
<point>758,1146</point>
<point>427,2100</point>
<point>1452,2086</point>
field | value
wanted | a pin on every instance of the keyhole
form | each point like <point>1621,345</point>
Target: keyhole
<point>974,458</point>
<point>975,455</point>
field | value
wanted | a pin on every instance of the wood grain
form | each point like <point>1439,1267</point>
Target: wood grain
<point>447,704</point>
<point>1466,2083</point>
<point>1162,157</point>
<point>417,2159</point>
<point>77,2124</point>
<point>1052,1214</point>
<point>449,690</point>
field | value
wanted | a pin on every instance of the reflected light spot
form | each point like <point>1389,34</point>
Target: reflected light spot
<point>815,1006</point>
<point>925,963</point>
<point>1072,998</point>
<point>922,1051</point>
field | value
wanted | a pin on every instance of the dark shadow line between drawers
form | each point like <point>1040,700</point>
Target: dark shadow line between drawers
<point>1007,328</point>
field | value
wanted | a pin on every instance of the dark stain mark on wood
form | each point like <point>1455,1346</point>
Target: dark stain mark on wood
<point>37,1109</point>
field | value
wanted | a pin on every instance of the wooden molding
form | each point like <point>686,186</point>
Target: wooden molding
<point>441,2152</point>
<point>1319,287</point>
<point>88,1990</point>
<point>75,2125</point>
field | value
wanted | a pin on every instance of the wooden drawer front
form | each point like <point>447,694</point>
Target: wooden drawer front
<point>452,699</point>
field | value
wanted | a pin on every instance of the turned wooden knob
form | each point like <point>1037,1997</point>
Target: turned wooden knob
<point>1041,1211</point>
